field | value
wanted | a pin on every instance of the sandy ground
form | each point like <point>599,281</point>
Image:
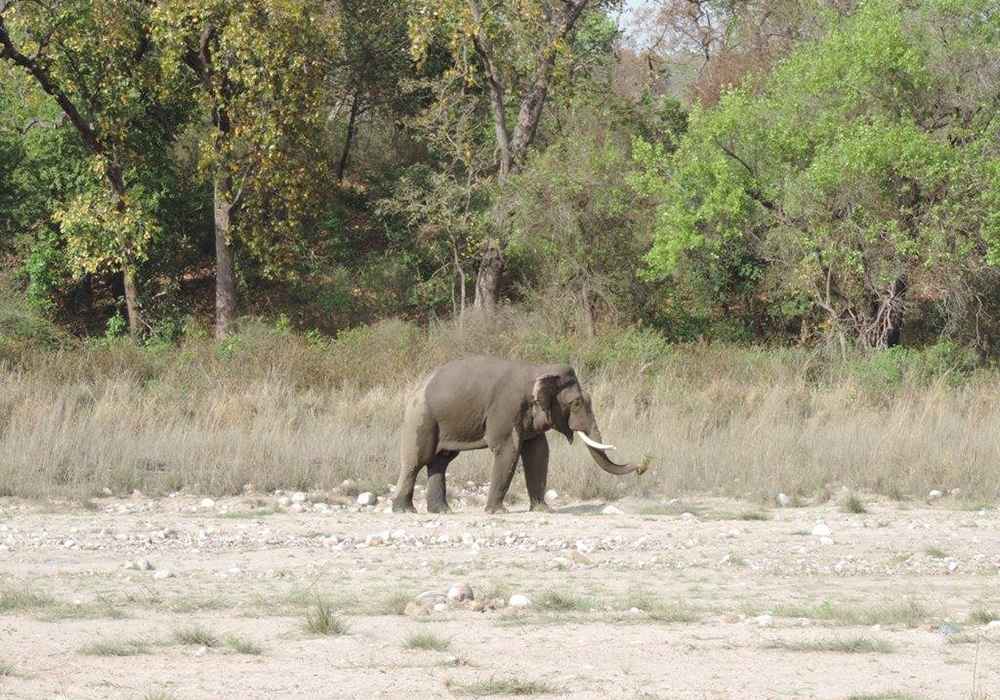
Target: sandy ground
<point>651,603</point>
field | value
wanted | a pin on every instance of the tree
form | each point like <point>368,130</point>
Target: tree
<point>511,49</point>
<point>854,182</point>
<point>259,69</point>
<point>96,61</point>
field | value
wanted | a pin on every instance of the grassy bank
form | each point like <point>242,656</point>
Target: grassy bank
<point>285,410</point>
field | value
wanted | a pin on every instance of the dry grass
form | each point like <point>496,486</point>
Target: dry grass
<point>910,613</point>
<point>282,411</point>
<point>23,600</point>
<point>323,620</point>
<point>500,686</point>
<point>242,645</point>
<point>426,641</point>
<point>196,636</point>
<point>850,645</point>
<point>116,647</point>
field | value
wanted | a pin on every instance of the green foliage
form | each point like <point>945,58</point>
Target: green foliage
<point>849,174</point>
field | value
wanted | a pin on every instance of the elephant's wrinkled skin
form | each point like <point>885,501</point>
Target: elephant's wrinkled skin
<point>485,402</point>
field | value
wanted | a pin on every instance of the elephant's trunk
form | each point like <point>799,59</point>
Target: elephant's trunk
<point>598,451</point>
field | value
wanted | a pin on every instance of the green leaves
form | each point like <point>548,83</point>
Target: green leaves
<point>851,169</point>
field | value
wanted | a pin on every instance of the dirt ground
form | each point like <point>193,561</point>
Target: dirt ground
<point>703,598</point>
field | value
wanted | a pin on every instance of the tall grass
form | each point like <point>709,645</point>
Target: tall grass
<point>282,410</point>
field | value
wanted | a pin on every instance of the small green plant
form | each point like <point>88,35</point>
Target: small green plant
<point>17,600</point>
<point>196,636</point>
<point>563,602</point>
<point>115,327</point>
<point>159,695</point>
<point>851,645</point>
<point>242,645</point>
<point>754,515</point>
<point>983,616</point>
<point>125,647</point>
<point>853,504</point>
<point>935,552</point>
<point>7,670</point>
<point>393,604</point>
<point>322,619</point>
<point>497,686</point>
<point>426,641</point>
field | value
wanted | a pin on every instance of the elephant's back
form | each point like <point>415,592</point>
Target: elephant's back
<point>458,393</point>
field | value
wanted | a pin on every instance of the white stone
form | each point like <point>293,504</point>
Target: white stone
<point>612,510</point>
<point>993,625</point>
<point>826,540</point>
<point>163,573</point>
<point>551,495</point>
<point>296,508</point>
<point>284,501</point>
<point>460,591</point>
<point>688,516</point>
<point>934,495</point>
<point>298,497</point>
<point>952,566</point>
<point>143,565</point>
<point>784,501</point>
<point>821,529</point>
<point>764,620</point>
<point>207,503</point>
<point>440,607</point>
<point>367,499</point>
<point>519,601</point>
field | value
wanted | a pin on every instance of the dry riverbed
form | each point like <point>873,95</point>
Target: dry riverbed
<point>189,598</point>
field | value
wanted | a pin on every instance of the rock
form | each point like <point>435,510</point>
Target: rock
<point>551,495</point>
<point>459,592</point>
<point>201,651</point>
<point>106,491</point>
<point>298,497</point>
<point>612,510</point>
<point>206,503</point>
<point>431,598</point>
<point>519,601</point>
<point>348,486</point>
<point>993,625</point>
<point>934,495</point>
<point>764,620</point>
<point>784,501</point>
<point>163,573</point>
<point>584,546</point>
<point>296,508</point>
<point>415,609</point>
<point>826,540</point>
<point>952,566</point>
<point>634,611</point>
<point>284,501</point>
<point>580,558</point>
<point>948,629</point>
<point>367,499</point>
<point>140,565</point>
<point>821,529</point>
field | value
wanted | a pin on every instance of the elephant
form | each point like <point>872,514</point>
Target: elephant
<point>507,407</point>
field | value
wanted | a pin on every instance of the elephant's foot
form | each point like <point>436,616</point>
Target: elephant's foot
<point>438,508</point>
<point>540,507</point>
<point>403,506</point>
<point>497,509</point>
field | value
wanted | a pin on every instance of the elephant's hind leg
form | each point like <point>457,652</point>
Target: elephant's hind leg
<point>437,491</point>
<point>535,458</point>
<point>418,443</point>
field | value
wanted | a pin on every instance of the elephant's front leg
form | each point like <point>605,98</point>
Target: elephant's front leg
<point>535,458</point>
<point>505,456</point>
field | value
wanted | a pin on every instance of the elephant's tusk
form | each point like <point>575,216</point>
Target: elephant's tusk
<point>594,444</point>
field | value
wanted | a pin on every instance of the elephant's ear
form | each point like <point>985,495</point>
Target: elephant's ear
<point>545,389</point>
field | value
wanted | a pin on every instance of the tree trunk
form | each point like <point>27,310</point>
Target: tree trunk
<point>225,282</point>
<point>488,279</point>
<point>349,138</point>
<point>132,307</point>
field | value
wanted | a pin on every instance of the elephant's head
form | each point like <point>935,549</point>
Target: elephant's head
<point>567,408</point>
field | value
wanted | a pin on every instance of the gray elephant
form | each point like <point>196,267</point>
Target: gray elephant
<point>507,407</point>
